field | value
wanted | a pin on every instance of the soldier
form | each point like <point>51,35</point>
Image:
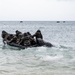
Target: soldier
<point>39,38</point>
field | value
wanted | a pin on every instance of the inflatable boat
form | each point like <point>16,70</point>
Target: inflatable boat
<point>46,44</point>
<point>16,45</point>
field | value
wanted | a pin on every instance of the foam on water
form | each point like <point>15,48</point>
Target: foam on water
<point>51,58</point>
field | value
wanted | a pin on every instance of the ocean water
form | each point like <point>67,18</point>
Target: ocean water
<point>58,60</point>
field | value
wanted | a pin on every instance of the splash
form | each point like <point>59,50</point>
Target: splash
<point>51,58</point>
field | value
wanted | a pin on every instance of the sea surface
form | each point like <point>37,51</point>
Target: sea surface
<point>57,60</point>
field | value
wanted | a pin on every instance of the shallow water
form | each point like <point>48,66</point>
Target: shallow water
<point>58,60</point>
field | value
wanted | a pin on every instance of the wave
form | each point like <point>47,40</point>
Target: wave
<point>51,58</point>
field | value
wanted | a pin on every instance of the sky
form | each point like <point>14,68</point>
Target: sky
<point>37,10</point>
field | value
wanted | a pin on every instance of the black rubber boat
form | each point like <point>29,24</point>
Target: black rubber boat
<point>46,44</point>
<point>16,45</point>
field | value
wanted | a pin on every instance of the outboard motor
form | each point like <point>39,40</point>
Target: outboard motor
<point>47,44</point>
